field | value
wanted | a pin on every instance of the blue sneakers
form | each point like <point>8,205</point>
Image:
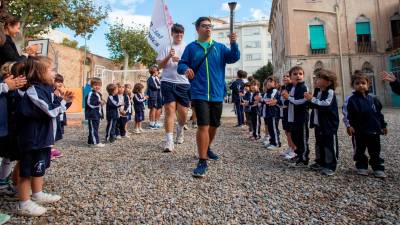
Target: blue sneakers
<point>201,169</point>
<point>211,155</point>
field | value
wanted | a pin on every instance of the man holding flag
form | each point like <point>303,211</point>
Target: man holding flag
<point>174,87</point>
<point>203,62</point>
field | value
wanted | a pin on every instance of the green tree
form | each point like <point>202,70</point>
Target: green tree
<point>70,43</point>
<point>130,44</point>
<point>264,72</point>
<point>36,16</point>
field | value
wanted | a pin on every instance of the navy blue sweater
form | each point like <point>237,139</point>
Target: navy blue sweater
<point>364,114</point>
<point>298,105</point>
<point>255,107</point>
<point>247,97</point>
<point>283,103</point>
<point>325,113</point>
<point>270,111</point>
<point>93,109</point>
<point>138,102</point>
<point>237,87</point>
<point>37,114</point>
<point>127,105</point>
<point>153,88</point>
<point>112,108</point>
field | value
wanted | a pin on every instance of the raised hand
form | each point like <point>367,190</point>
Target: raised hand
<point>232,37</point>
<point>388,76</point>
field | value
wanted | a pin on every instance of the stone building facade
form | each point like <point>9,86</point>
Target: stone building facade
<point>254,44</point>
<point>339,35</point>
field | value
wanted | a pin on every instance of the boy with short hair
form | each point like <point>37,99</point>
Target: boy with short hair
<point>298,116</point>
<point>237,88</point>
<point>94,113</point>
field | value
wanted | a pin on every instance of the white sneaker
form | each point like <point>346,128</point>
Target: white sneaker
<point>126,136</point>
<point>290,155</point>
<point>180,137</point>
<point>266,143</point>
<point>99,145</point>
<point>46,198</point>
<point>285,152</point>
<point>119,137</point>
<point>137,131</point>
<point>272,147</point>
<point>31,209</point>
<point>169,146</point>
<point>140,129</point>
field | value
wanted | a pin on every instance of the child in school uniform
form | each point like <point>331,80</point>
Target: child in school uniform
<point>94,113</point>
<point>120,129</point>
<point>271,112</point>
<point>284,104</point>
<point>237,90</point>
<point>10,89</point>
<point>138,103</point>
<point>112,114</point>
<point>37,112</point>
<point>325,121</point>
<point>155,99</point>
<point>255,110</point>
<point>128,106</point>
<point>247,95</point>
<point>59,91</point>
<point>298,117</point>
<point>367,123</point>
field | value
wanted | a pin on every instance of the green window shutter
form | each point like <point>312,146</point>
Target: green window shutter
<point>363,28</point>
<point>317,37</point>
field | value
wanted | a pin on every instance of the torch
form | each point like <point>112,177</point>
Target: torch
<point>232,6</point>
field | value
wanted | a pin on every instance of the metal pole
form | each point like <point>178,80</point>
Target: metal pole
<point>340,52</point>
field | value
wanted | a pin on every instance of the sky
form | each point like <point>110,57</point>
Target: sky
<point>184,12</point>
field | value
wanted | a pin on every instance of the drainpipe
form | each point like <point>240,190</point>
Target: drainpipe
<point>340,50</point>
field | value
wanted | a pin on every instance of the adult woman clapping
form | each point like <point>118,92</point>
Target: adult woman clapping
<point>8,51</point>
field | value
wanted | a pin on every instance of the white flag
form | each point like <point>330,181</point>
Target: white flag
<point>160,26</point>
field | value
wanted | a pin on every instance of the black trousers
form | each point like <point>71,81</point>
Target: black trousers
<point>371,141</point>
<point>239,113</point>
<point>248,120</point>
<point>110,130</point>
<point>326,149</point>
<point>300,134</point>
<point>255,124</point>
<point>273,130</point>
<point>93,137</point>
<point>121,123</point>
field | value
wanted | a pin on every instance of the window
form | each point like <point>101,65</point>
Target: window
<point>395,25</point>
<point>221,35</point>
<point>317,37</point>
<point>367,69</point>
<point>253,44</point>
<point>253,57</point>
<point>269,45</point>
<point>251,31</point>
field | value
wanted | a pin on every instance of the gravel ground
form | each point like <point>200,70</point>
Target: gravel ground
<point>132,182</point>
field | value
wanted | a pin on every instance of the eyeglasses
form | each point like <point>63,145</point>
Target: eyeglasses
<point>207,26</point>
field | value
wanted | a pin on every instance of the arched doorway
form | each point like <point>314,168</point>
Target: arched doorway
<point>368,70</point>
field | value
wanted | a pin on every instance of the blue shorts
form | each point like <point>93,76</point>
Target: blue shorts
<point>175,93</point>
<point>35,162</point>
<point>154,103</point>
